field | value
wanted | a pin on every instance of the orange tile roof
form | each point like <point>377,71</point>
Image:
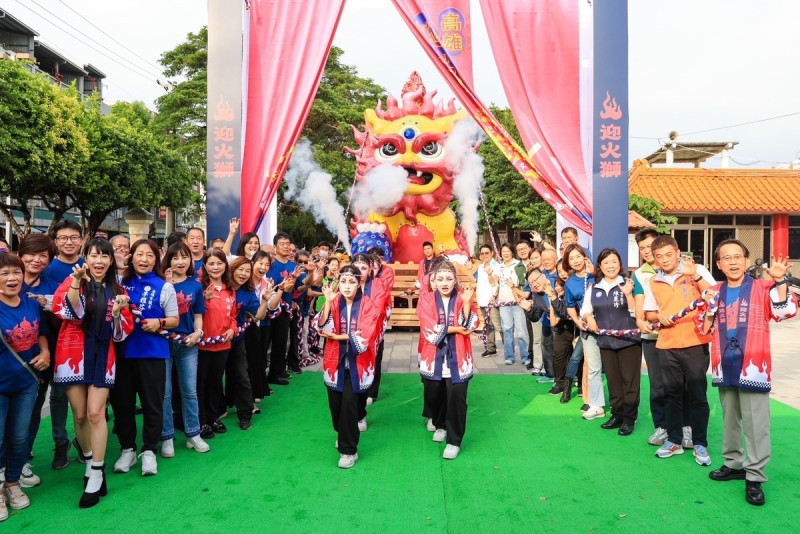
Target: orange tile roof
<point>637,222</point>
<point>701,190</point>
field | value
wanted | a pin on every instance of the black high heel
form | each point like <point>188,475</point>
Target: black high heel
<point>90,499</point>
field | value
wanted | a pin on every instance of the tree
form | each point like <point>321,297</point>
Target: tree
<point>510,200</point>
<point>650,209</point>
<point>42,145</point>
<point>129,167</point>
<point>182,111</point>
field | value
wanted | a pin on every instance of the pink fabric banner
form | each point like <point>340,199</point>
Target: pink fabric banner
<point>536,47</point>
<point>289,44</point>
<point>421,27</point>
<point>451,20</point>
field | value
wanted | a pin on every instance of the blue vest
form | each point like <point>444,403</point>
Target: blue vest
<point>611,311</point>
<point>145,293</point>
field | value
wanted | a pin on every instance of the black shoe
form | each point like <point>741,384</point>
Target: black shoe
<point>753,493</point>
<point>529,365</point>
<point>279,381</point>
<point>245,424</point>
<point>60,458</point>
<point>584,407</point>
<point>725,473</point>
<point>256,411</point>
<point>206,432</point>
<point>218,427</point>
<point>556,391</point>
<point>295,369</point>
<point>489,353</point>
<point>81,459</point>
<point>90,499</point>
<point>614,422</point>
<point>625,430</point>
<point>566,395</point>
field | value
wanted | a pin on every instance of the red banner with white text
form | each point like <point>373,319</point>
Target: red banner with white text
<point>422,28</point>
<point>289,44</point>
<point>536,45</point>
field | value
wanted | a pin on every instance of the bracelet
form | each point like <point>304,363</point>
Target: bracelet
<point>115,316</point>
<point>782,282</point>
<point>73,287</point>
<point>698,278</point>
<point>162,323</point>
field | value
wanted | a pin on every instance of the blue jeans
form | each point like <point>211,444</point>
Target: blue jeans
<point>515,329</point>
<point>576,359</point>
<point>15,421</point>
<point>185,360</point>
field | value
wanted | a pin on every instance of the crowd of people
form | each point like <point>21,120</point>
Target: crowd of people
<point>591,318</point>
<point>187,330</point>
<point>193,331</point>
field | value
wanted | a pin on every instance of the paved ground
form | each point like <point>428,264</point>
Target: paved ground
<point>400,356</point>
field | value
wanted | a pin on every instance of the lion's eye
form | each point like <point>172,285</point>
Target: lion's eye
<point>431,149</point>
<point>388,150</point>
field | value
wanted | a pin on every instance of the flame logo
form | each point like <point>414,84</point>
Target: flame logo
<point>611,109</point>
<point>224,110</point>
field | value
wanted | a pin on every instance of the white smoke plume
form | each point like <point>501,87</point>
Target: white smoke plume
<point>310,186</point>
<point>469,168</point>
<point>381,189</point>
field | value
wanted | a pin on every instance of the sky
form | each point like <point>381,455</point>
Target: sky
<point>693,65</point>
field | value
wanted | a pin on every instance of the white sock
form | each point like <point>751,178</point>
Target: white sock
<point>95,477</point>
<point>87,457</point>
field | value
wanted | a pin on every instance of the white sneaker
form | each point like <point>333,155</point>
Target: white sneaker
<point>370,400</point>
<point>126,461</point>
<point>346,461</point>
<point>168,448</point>
<point>27,479</point>
<point>659,437</point>
<point>197,443</point>
<point>450,452</point>
<point>3,509</point>
<point>149,464</point>
<point>439,435</point>
<point>429,425</point>
<point>362,426</point>
<point>16,498</point>
<point>593,413</point>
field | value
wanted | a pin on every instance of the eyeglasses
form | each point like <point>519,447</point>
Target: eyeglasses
<point>71,238</point>
<point>736,258</point>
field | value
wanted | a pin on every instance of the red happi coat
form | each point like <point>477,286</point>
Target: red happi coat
<point>437,344</point>
<point>72,342</point>
<point>379,290</point>
<point>358,350</point>
<point>745,361</point>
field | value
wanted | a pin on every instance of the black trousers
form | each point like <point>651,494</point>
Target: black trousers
<point>623,374</point>
<point>147,377</point>
<point>686,368</point>
<point>279,335</point>
<point>210,396</point>
<point>293,354</point>
<point>447,402</point>
<point>562,350</point>
<point>256,361</point>
<point>237,381</point>
<point>655,374</point>
<point>374,389</point>
<point>344,415</point>
<point>547,350</point>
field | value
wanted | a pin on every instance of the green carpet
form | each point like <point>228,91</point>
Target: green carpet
<point>527,464</point>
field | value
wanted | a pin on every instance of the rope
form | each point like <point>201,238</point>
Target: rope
<point>711,308</point>
<point>183,340</point>
<point>488,223</point>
